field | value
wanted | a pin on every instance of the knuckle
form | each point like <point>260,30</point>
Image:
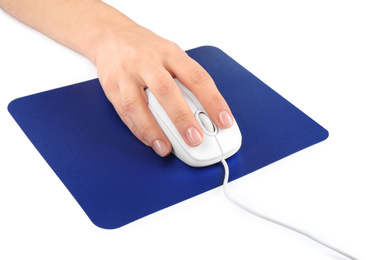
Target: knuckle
<point>121,112</point>
<point>181,117</point>
<point>199,76</point>
<point>133,128</point>
<point>146,131</point>
<point>172,47</point>
<point>163,87</point>
<point>216,100</point>
<point>128,104</point>
<point>107,82</point>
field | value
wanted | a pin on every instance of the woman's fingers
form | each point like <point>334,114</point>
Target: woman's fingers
<point>168,94</point>
<point>197,79</point>
<point>136,58</point>
<point>142,122</point>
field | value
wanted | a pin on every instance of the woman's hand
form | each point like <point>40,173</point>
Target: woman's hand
<point>129,58</point>
<point>133,58</point>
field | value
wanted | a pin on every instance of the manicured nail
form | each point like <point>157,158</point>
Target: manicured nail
<point>194,136</point>
<point>160,148</point>
<point>226,119</point>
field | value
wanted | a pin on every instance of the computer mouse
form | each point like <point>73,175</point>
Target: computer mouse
<point>217,143</point>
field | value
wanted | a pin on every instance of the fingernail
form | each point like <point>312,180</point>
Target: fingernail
<point>160,148</point>
<point>226,119</point>
<point>194,136</point>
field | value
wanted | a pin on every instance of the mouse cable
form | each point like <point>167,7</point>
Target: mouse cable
<point>226,178</point>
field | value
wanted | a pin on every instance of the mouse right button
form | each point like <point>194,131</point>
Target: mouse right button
<point>229,140</point>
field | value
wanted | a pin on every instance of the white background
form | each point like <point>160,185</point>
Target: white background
<point>311,52</point>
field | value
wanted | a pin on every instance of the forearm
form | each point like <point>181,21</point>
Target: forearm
<point>78,24</point>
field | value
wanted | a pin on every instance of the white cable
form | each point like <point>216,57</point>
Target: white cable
<point>226,178</point>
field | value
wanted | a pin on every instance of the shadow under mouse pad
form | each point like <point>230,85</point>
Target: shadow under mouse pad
<point>116,179</point>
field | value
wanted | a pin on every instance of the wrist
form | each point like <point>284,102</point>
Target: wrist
<point>101,29</point>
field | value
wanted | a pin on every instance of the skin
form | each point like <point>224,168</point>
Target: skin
<point>129,58</point>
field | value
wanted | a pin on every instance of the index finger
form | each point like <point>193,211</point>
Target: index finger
<point>193,76</point>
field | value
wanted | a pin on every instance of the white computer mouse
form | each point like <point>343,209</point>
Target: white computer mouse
<point>217,143</point>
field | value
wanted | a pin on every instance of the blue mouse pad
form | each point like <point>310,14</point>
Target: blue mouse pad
<point>116,179</point>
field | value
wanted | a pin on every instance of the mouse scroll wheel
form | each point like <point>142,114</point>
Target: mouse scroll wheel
<point>206,122</point>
